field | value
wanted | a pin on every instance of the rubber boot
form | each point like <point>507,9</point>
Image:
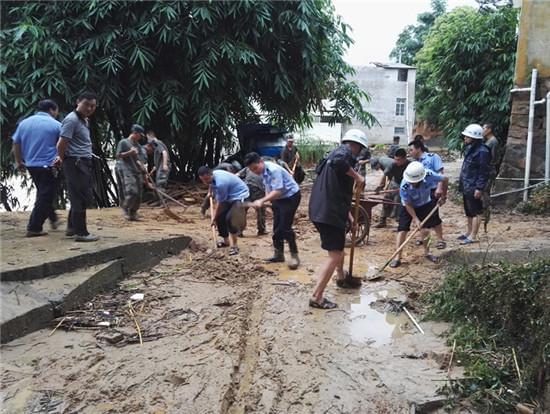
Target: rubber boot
<point>295,260</point>
<point>278,252</point>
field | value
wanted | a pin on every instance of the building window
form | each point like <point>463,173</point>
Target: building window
<point>400,106</point>
<point>399,131</point>
<point>402,75</point>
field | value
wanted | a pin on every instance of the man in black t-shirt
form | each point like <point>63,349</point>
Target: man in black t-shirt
<point>393,174</point>
<point>329,207</point>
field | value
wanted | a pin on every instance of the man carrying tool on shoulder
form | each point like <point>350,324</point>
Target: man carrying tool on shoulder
<point>284,194</point>
<point>329,209</point>
<point>416,197</point>
<point>230,191</point>
<point>129,171</point>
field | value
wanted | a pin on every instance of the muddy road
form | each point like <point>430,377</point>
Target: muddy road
<point>228,334</point>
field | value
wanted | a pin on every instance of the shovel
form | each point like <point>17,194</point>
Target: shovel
<point>165,209</point>
<point>378,273</point>
<point>352,282</point>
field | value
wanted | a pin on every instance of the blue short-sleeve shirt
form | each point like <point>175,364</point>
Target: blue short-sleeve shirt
<point>37,136</point>
<point>418,196</point>
<point>431,161</point>
<point>228,187</point>
<point>277,178</point>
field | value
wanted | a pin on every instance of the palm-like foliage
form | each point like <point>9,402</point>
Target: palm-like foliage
<point>191,70</point>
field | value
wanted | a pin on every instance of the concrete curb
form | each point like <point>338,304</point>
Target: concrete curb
<point>517,256</point>
<point>31,305</point>
<point>135,255</point>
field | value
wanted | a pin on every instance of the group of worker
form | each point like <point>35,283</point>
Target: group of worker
<point>43,146</point>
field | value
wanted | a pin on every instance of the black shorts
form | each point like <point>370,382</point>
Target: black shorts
<point>422,212</point>
<point>473,207</point>
<point>332,237</point>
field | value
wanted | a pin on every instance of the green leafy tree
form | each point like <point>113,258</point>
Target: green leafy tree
<point>465,70</point>
<point>192,71</point>
<point>411,39</point>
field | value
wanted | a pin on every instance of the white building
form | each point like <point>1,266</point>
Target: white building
<point>391,88</point>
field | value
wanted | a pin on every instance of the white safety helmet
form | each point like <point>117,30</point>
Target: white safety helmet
<point>355,135</point>
<point>474,131</point>
<point>415,172</point>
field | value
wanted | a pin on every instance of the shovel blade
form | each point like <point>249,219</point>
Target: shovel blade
<point>373,274</point>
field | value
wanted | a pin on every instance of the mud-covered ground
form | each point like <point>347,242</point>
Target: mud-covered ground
<point>226,334</point>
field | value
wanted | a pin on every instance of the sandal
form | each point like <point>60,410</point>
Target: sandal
<point>324,304</point>
<point>462,237</point>
<point>440,244</point>
<point>233,251</point>
<point>432,258</point>
<point>221,243</point>
<point>395,263</point>
<point>468,241</point>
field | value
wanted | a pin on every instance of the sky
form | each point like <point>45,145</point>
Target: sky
<point>377,23</point>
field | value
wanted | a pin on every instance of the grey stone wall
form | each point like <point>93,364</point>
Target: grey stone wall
<point>513,164</point>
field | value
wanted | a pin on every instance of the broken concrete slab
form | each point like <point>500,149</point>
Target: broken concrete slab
<point>29,306</point>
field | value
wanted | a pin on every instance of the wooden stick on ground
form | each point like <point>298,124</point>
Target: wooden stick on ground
<point>451,359</point>
<point>57,326</point>
<point>517,366</point>
<point>136,322</point>
<point>412,319</point>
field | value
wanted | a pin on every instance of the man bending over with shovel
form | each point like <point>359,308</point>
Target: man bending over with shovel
<point>421,208</point>
<point>329,207</point>
<point>229,216</point>
<point>284,194</point>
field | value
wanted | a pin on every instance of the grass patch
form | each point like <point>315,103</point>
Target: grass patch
<point>497,312</point>
<point>313,150</point>
<point>539,201</point>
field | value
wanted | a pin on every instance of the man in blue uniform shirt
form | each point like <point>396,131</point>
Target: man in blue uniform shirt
<point>229,191</point>
<point>34,149</point>
<point>418,201</point>
<point>429,160</point>
<point>284,194</point>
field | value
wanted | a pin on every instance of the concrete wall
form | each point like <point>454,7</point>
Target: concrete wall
<point>322,131</point>
<point>382,85</point>
<point>532,53</point>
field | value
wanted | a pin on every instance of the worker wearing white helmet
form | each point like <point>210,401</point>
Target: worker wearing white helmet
<point>329,206</point>
<point>419,200</point>
<point>474,176</point>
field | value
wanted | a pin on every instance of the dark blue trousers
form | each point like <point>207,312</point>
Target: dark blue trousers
<point>46,191</point>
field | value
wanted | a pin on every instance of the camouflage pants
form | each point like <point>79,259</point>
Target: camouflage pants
<point>162,179</point>
<point>391,210</point>
<point>130,185</point>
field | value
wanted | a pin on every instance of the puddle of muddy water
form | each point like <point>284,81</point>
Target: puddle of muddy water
<point>376,327</point>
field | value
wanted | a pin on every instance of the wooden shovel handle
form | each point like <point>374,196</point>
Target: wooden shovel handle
<point>413,233</point>
<point>358,190</point>
<point>212,218</point>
